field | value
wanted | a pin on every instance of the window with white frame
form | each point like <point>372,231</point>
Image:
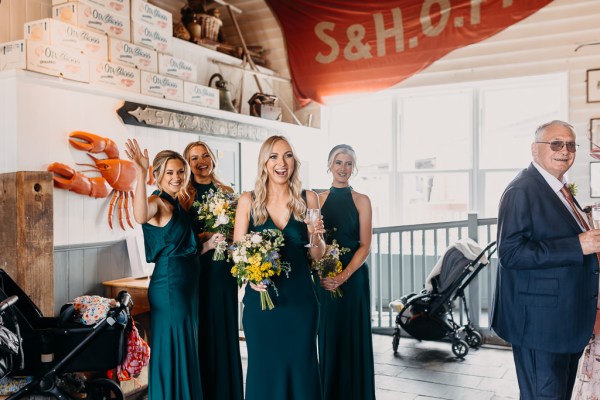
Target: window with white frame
<point>434,154</point>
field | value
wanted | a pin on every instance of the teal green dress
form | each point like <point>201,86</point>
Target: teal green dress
<point>282,351</point>
<point>218,330</point>
<point>345,342</point>
<point>173,295</point>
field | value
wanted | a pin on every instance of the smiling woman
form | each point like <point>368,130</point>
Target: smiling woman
<point>282,353</point>
<point>173,291</point>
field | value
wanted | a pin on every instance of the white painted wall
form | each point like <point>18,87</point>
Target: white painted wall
<point>38,112</point>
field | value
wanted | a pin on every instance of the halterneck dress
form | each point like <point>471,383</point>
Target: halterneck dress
<point>218,330</point>
<point>282,351</point>
<point>345,342</point>
<point>173,295</point>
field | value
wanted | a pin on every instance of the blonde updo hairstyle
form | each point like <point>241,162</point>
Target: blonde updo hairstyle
<point>296,205</point>
<point>159,166</point>
<point>342,149</point>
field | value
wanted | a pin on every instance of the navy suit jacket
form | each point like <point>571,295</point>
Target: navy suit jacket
<point>547,290</point>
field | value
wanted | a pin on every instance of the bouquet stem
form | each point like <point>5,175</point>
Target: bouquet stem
<point>219,253</point>
<point>337,293</point>
<point>265,301</point>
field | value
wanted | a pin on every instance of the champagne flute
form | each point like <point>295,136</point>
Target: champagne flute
<point>312,214</point>
<point>596,215</point>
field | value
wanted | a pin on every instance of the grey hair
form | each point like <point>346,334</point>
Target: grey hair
<point>342,149</point>
<point>542,128</point>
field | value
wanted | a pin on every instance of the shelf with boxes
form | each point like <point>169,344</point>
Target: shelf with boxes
<point>117,44</point>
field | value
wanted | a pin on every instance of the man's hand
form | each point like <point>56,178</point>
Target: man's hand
<point>590,241</point>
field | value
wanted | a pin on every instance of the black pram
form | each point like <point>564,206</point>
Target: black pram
<point>53,347</point>
<point>428,315</point>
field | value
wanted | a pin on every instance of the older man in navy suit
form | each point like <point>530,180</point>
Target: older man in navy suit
<point>547,290</point>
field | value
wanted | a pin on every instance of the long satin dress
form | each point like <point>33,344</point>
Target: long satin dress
<point>282,351</point>
<point>173,294</point>
<point>345,342</point>
<point>218,331</point>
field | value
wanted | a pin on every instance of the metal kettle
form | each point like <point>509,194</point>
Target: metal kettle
<point>224,94</point>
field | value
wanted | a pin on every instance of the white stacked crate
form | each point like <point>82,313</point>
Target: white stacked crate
<point>91,15</point>
<point>93,44</point>
<point>120,44</point>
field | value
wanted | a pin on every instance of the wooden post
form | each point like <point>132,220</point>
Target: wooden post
<point>27,234</point>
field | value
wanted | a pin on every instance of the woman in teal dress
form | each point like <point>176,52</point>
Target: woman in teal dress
<point>282,351</point>
<point>345,342</point>
<point>173,291</point>
<point>218,330</point>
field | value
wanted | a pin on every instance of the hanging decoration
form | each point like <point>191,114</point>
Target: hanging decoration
<point>350,46</point>
<point>116,176</point>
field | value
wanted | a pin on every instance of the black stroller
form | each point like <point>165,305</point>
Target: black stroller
<point>53,348</point>
<point>428,315</point>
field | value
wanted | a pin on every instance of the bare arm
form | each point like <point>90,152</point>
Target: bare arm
<point>365,221</point>
<point>143,210</point>
<point>316,253</point>
<point>242,217</point>
<point>241,226</point>
<point>363,205</point>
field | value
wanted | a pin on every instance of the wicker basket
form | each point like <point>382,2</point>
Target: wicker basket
<point>211,26</point>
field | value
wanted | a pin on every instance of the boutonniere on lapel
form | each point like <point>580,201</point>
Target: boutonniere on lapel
<point>572,188</point>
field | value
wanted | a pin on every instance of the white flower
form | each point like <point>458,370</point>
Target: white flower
<point>221,220</point>
<point>256,238</point>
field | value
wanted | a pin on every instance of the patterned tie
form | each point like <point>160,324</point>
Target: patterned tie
<point>567,193</point>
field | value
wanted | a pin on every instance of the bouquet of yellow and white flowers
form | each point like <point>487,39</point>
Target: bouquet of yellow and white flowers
<point>330,265</point>
<point>256,259</point>
<point>217,211</point>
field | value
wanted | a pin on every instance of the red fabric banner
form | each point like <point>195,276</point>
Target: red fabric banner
<point>351,46</point>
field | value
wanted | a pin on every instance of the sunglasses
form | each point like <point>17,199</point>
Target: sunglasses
<point>557,145</point>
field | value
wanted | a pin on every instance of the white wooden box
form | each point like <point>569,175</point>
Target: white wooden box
<point>132,55</point>
<point>114,76</point>
<point>176,67</point>
<point>92,16</point>
<point>60,61</point>
<point>60,33</point>
<point>13,55</point>
<point>149,36</point>
<point>199,95</point>
<point>161,86</point>
<point>142,11</point>
<point>120,7</point>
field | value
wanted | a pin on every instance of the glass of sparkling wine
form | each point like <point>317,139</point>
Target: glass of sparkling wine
<point>596,215</point>
<point>312,214</point>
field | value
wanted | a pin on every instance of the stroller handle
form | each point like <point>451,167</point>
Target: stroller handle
<point>124,298</point>
<point>9,302</point>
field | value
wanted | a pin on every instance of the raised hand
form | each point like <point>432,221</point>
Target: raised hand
<point>140,159</point>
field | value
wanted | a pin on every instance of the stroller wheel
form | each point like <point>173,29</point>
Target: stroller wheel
<point>474,339</point>
<point>396,340</point>
<point>104,389</point>
<point>460,348</point>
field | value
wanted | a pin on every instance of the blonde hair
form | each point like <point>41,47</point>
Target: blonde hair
<point>190,189</point>
<point>342,149</point>
<point>158,167</point>
<point>296,205</point>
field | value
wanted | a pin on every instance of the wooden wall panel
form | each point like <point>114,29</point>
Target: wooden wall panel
<point>81,269</point>
<point>26,234</point>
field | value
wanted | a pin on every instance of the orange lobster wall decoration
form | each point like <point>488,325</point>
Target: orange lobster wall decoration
<point>117,176</point>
